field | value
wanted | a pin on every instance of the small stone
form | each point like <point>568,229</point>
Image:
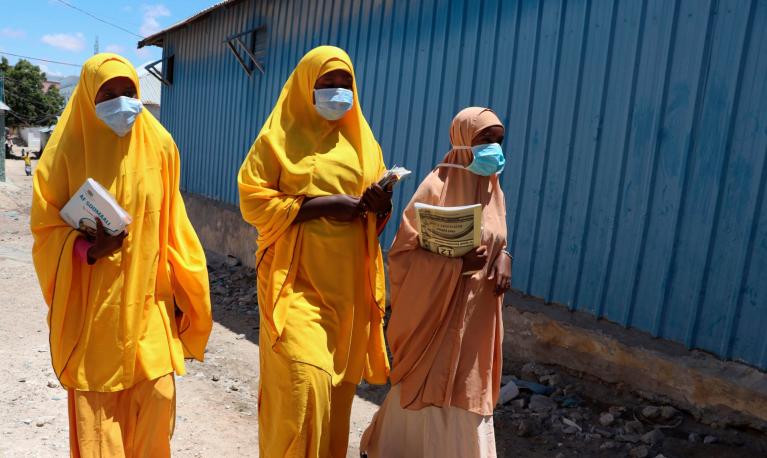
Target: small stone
<point>527,428</point>
<point>52,384</point>
<point>542,404</point>
<point>693,438</point>
<point>639,452</point>
<point>660,455</point>
<point>634,426</point>
<point>570,430</point>
<point>240,336</point>
<point>650,412</point>
<point>653,437</point>
<point>710,440</point>
<point>506,379</point>
<point>216,378</point>
<point>617,411</point>
<point>633,438</point>
<point>604,432</point>
<point>668,412</point>
<point>28,421</point>
<point>22,380</point>
<point>551,379</point>
<point>508,392</point>
<point>231,261</point>
<point>234,388</point>
<point>560,455</point>
<point>519,403</point>
<point>42,421</point>
<point>606,419</point>
<point>609,445</point>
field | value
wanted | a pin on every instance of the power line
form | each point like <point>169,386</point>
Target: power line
<point>98,18</point>
<point>3,53</point>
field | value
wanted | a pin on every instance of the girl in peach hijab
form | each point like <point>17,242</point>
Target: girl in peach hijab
<point>445,329</point>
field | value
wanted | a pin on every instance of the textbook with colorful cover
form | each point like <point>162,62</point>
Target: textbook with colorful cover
<point>449,231</point>
<point>93,201</point>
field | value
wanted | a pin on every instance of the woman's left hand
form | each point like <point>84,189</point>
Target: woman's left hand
<point>501,273</point>
<point>376,199</point>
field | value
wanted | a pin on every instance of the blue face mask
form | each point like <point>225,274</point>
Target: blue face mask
<point>488,160</point>
<point>333,103</point>
<point>119,113</point>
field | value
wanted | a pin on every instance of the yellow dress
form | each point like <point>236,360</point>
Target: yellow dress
<point>114,324</point>
<point>321,282</point>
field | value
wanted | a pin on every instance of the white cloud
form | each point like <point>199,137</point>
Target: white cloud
<point>151,25</point>
<point>117,49</point>
<point>143,53</point>
<point>48,72</point>
<point>74,42</point>
<point>9,32</point>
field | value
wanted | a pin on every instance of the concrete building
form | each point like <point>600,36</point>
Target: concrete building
<point>636,173</point>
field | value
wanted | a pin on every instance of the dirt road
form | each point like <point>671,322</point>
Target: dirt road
<point>216,400</point>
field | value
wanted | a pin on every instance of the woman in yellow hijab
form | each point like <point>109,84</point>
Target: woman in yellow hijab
<point>124,310</point>
<point>309,186</point>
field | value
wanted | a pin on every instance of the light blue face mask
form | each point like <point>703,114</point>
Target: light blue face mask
<point>488,160</point>
<point>119,113</point>
<point>333,103</point>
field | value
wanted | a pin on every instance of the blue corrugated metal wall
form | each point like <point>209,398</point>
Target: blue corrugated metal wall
<point>636,135</point>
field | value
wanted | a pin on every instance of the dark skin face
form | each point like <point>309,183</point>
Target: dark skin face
<point>116,87</point>
<point>500,272</point>
<point>104,244</point>
<point>336,78</point>
<point>343,207</point>
<point>492,134</point>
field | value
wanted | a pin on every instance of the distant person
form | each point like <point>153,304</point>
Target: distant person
<point>309,186</point>
<point>28,164</point>
<point>445,329</point>
<point>124,310</point>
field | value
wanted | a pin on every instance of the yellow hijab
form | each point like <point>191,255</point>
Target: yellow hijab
<point>280,172</point>
<point>114,323</point>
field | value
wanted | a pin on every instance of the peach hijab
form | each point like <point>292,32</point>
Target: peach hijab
<point>445,330</point>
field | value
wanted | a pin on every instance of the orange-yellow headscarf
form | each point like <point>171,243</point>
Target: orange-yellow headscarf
<point>113,323</point>
<point>280,172</point>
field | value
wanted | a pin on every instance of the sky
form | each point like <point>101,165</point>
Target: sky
<point>50,30</point>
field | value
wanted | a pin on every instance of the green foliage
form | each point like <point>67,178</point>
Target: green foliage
<point>30,106</point>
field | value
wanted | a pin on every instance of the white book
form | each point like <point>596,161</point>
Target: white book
<point>449,231</point>
<point>93,201</point>
<point>393,176</point>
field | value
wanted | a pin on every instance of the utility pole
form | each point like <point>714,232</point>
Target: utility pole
<point>2,125</point>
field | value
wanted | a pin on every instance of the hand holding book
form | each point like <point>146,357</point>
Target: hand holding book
<point>104,244</point>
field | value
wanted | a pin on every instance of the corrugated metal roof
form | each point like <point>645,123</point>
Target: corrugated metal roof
<point>157,38</point>
<point>151,87</point>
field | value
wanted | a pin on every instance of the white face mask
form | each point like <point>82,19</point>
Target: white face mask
<point>119,113</point>
<point>333,103</point>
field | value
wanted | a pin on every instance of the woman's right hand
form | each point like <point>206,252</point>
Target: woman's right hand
<point>340,207</point>
<point>104,244</point>
<point>475,259</point>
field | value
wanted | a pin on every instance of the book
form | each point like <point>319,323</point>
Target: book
<point>449,231</point>
<point>393,176</point>
<point>93,201</point>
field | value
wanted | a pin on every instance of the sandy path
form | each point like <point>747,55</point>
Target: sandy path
<point>217,409</point>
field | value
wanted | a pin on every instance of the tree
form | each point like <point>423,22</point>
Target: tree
<point>30,106</point>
